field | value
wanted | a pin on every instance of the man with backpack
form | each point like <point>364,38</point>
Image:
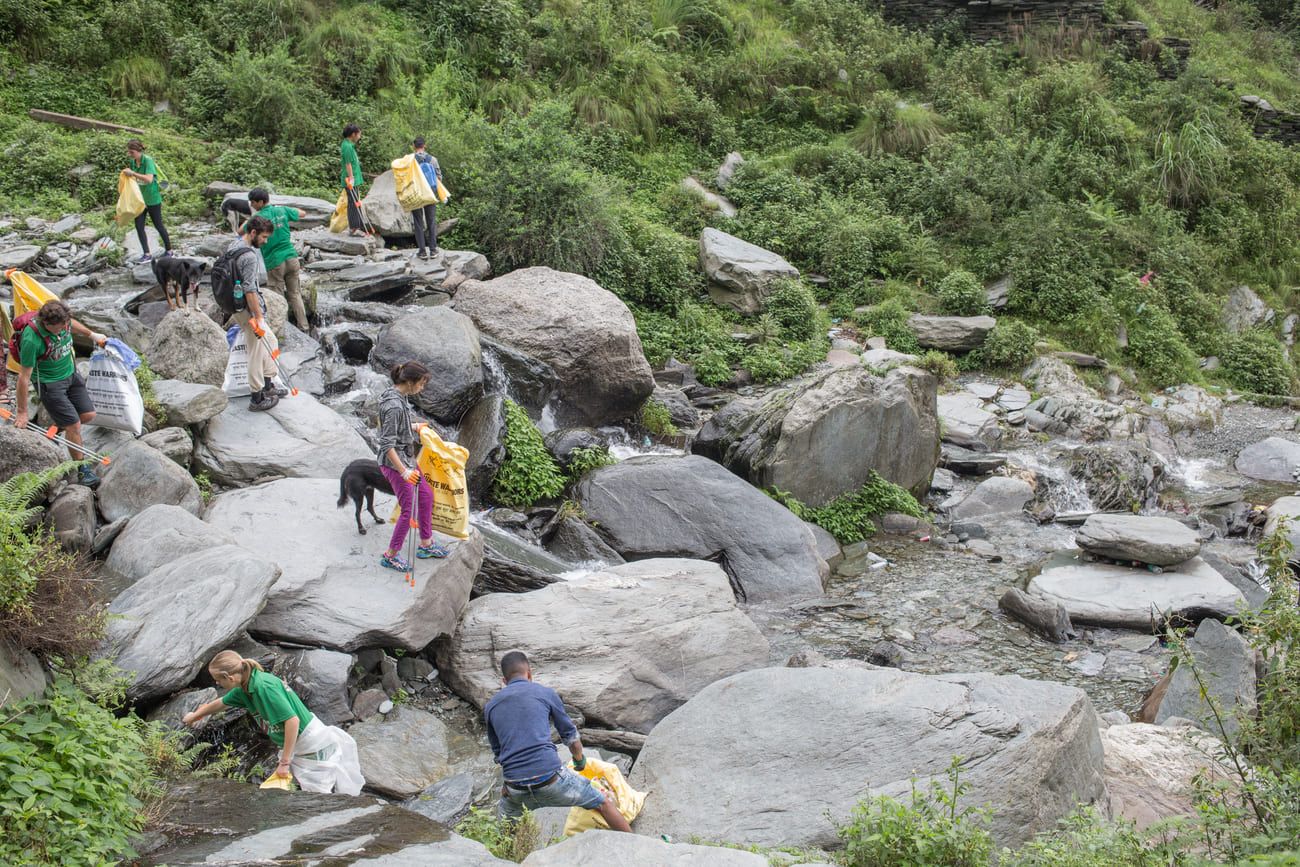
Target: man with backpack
<point>237,292</point>
<point>42,343</point>
<point>279,255</point>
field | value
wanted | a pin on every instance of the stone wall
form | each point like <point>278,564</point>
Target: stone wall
<point>1271,123</point>
<point>987,20</point>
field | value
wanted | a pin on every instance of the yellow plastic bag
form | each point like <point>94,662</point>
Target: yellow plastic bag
<point>443,465</point>
<point>130,202</point>
<point>29,295</point>
<point>339,219</point>
<point>275,781</point>
<point>442,193</point>
<point>609,780</point>
<point>412,186</point>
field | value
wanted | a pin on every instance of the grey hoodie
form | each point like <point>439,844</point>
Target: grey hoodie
<point>395,427</point>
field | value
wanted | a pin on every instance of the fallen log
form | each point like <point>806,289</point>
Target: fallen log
<point>73,122</point>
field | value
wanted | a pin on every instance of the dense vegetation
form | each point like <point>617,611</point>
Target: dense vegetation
<point>906,167</point>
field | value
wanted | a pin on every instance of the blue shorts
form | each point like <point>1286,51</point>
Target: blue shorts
<point>566,790</point>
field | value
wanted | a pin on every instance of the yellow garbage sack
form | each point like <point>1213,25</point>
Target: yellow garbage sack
<point>29,295</point>
<point>442,193</point>
<point>609,780</point>
<point>339,219</point>
<point>130,202</point>
<point>412,186</point>
<point>443,465</point>
<point>275,781</point>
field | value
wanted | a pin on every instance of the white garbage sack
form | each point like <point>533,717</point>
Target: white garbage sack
<point>114,392</point>
<point>236,382</point>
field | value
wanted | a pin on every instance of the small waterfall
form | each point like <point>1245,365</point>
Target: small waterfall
<point>1064,493</point>
<point>495,378</point>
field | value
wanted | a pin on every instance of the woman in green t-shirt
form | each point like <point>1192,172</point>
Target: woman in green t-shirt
<point>322,758</point>
<point>350,177</point>
<point>145,171</point>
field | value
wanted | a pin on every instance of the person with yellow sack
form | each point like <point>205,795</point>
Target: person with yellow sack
<point>350,177</point>
<point>144,171</point>
<point>426,217</point>
<point>519,720</point>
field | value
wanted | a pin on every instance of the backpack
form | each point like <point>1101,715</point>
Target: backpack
<point>225,281</point>
<point>20,324</point>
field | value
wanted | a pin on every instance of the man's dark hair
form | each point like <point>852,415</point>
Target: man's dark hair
<point>513,663</point>
<point>419,142</point>
<point>257,224</point>
<point>350,129</point>
<point>257,194</point>
<point>55,313</point>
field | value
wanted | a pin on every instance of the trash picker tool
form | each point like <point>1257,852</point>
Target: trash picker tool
<point>412,534</point>
<point>355,198</point>
<point>52,433</point>
<point>274,352</point>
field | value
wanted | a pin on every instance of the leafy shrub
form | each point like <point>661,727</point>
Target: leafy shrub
<point>932,829</point>
<point>795,309</point>
<point>848,516</point>
<point>1009,345</point>
<point>941,364</point>
<point>528,473</point>
<point>657,420</point>
<point>1253,361</point>
<point>584,460</point>
<point>145,378</point>
<point>650,266</point>
<point>512,841</point>
<point>961,294</point>
<point>712,368</point>
<point>892,127</point>
<point>1157,347</point>
<point>73,777</point>
<point>1085,839</point>
<point>888,319</point>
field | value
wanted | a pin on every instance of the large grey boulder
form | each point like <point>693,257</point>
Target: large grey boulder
<point>967,423</point>
<point>722,765</point>
<point>611,847</point>
<point>333,592</point>
<point>402,753</point>
<point>483,433</point>
<point>320,677</point>
<point>166,627</point>
<point>951,333</point>
<point>225,822</point>
<point>25,451</point>
<point>1225,663</point>
<point>444,341</point>
<point>311,211</point>
<point>174,443</point>
<point>1144,538</point>
<point>1244,310</point>
<point>340,242</point>
<point>583,332</point>
<point>660,505</point>
<point>187,345</point>
<point>824,436</point>
<point>741,274</point>
<point>155,537</point>
<point>1151,771</point>
<point>1285,509</point>
<point>299,437</point>
<point>72,517</point>
<point>189,403</point>
<point>625,646</point>
<point>141,476</point>
<point>996,495</point>
<point>1106,595</point>
<point>1273,459</point>
<point>383,210</point>
<point>21,674</point>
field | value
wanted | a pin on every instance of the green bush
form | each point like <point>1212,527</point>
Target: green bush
<point>73,778</point>
<point>657,420</point>
<point>941,364</point>
<point>1157,347</point>
<point>848,516</point>
<point>510,840</point>
<point>961,294</point>
<point>584,460</point>
<point>888,319</point>
<point>795,309</point>
<point>712,367</point>
<point>1253,362</point>
<point>1085,839</point>
<point>1010,345</point>
<point>528,473</point>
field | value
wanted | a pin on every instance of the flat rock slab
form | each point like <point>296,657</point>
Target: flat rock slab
<point>1144,538</point>
<point>1273,459</point>
<point>402,754</point>
<point>966,423</point>
<point>996,495</point>
<point>722,766</point>
<point>1226,663</point>
<point>154,538</point>
<point>333,592</point>
<point>625,646</point>
<point>1107,595</point>
<point>189,403</point>
<point>611,848</point>
<point>1150,770</point>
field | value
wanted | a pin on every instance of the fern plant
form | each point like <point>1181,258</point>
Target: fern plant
<point>18,561</point>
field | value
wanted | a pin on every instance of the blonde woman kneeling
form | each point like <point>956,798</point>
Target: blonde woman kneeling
<point>322,758</point>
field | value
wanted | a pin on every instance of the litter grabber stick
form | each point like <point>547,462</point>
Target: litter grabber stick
<point>274,352</point>
<point>412,534</point>
<point>355,198</point>
<point>52,433</point>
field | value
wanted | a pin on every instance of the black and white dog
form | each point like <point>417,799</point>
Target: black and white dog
<point>177,276</point>
<point>359,481</point>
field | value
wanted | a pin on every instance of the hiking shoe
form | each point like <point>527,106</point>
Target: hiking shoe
<point>87,477</point>
<point>143,259</point>
<point>271,387</point>
<point>262,401</point>
<point>394,561</point>
<point>431,551</point>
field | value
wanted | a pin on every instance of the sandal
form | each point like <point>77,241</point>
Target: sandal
<point>395,561</point>
<point>431,551</point>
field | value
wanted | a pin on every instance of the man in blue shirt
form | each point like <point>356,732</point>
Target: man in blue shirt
<point>519,720</point>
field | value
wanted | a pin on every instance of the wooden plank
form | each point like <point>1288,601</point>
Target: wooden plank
<point>74,122</point>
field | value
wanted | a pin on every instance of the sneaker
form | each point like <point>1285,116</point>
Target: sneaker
<point>394,561</point>
<point>262,401</point>
<point>87,477</point>
<point>272,387</point>
<point>143,259</point>
<point>432,551</point>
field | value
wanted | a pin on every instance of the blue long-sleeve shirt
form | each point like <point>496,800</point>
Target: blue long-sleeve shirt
<point>519,719</point>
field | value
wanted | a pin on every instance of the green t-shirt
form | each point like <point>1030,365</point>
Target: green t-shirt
<point>151,192</point>
<point>278,247</point>
<point>62,362</point>
<point>348,157</point>
<point>271,703</point>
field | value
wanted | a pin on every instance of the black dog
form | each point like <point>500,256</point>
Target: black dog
<point>183,273</point>
<point>359,481</point>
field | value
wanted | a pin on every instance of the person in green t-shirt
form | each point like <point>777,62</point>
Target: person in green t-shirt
<point>145,171</point>
<point>45,352</point>
<point>323,758</point>
<point>350,177</point>
<point>279,255</point>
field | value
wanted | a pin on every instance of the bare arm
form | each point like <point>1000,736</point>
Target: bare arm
<point>24,382</point>
<point>203,710</point>
<point>290,740</point>
<point>95,337</point>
